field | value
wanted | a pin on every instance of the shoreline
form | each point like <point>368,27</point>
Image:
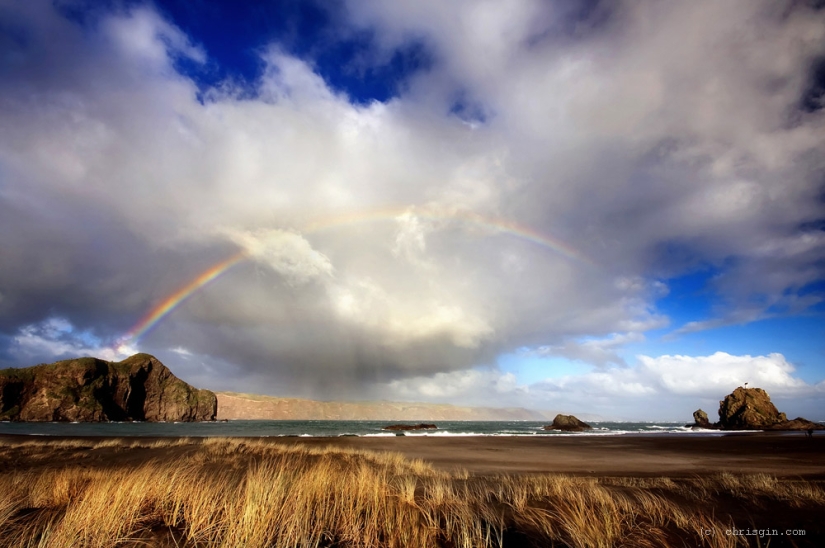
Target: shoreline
<point>626,455</point>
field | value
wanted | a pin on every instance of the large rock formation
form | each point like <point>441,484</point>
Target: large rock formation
<point>568,423</point>
<point>751,409</point>
<point>138,388</point>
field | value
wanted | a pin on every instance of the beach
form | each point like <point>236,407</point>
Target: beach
<point>778,454</point>
<point>784,455</point>
<point>720,491</point>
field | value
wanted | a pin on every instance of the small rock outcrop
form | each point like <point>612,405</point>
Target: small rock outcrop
<point>568,423</point>
<point>799,424</point>
<point>139,388</point>
<point>405,427</point>
<point>700,420</point>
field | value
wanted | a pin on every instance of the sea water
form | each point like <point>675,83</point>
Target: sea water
<point>330,428</point>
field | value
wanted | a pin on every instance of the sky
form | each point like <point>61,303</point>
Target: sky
<point>613,208</point>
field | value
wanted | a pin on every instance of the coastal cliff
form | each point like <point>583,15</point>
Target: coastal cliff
<point>139,388</point>
<point>233,406</point>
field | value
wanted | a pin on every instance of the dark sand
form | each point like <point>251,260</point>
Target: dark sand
<point>783,455</point>
<point>638,456</point>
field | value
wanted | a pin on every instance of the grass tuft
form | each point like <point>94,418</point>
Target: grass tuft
<point>256,494</point>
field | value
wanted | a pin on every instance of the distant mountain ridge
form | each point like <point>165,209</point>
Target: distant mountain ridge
<point>235,406</point>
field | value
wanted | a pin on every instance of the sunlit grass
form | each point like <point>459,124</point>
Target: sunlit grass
<point>235,492</point>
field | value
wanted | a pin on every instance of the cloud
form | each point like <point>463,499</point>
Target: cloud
<point>287,253</point>
<point>663,387</point>
<point>673,386</point>
<point>623,133</point>
<point>56,338</point>
<point>599,352</point>
<point>146,36</point>
<point>720,371</point>
<point>479,387</point>
<point>700,376</point>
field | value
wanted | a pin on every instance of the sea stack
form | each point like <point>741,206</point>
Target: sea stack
<point>568,423</point>
<point>752,409</point>
<point>139,388</point>
<point>700,420</point>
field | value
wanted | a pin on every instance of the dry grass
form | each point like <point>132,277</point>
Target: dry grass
<point>242,493</point>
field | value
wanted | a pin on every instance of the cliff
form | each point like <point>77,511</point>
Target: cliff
<point>248,406</point>
<point>138,388</point>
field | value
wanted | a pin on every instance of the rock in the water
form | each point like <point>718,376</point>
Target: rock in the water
<point>403,427</point>
<point>138,388</point>
<point>700,420</point>
<point>568,423</point>
<point>751,409</point>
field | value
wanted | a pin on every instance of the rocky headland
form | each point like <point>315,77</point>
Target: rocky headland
<point>139,388</point>
<point>751,409</point>
<point>568,423</point>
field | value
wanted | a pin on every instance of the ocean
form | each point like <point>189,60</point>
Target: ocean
<point>329,428</point>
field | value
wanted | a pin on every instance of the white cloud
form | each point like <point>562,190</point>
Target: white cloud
<point>598,352</point>
<point>658,388</point>
<point>673,386</point>
<point>181,351</point>
<point>477,387</point>
<point>145,35</point>
<point>55,338</point>
<point>710,376</point>
<point>405,318</point>
<point>721,373</point>
<point>287,253</point>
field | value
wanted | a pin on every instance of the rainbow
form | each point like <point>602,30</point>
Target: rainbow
<point>174,300</point>
<point>496,225</point>
<point>493,224</point>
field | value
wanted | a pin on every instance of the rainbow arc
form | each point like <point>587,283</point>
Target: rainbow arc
<point>496,225</point>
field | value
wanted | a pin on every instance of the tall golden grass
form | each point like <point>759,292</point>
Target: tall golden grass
<point>242,493</point>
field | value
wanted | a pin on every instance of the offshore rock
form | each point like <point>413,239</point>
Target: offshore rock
<point>700,420</point>
<point>568,423</point>
<point>139,388</point>
<point>751,409</point>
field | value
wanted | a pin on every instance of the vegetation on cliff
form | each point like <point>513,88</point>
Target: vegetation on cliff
<point>90,390</point>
